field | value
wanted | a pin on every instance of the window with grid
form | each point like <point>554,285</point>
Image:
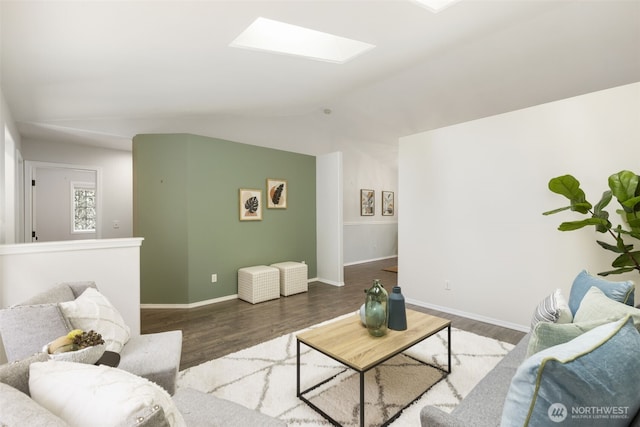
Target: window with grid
<point>84,207</point>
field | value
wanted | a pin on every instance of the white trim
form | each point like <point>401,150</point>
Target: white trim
<point>468,315</point>
<point>355,223</point>
<point>190,305</point>
<point>214,300</point>
<point>370,260</point>
<point>329,282</point>
<point>70,245</point>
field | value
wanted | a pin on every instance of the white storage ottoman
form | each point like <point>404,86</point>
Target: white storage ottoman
<point>293,277</point>
<point>259,283</point>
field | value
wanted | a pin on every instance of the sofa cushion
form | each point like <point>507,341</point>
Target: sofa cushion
<point>484,402</point>
<point>554,308</point>
<point>597,306</point>
<point>58,293</point>
<point>26,329</point>
<point>155,357</point>
<point>617,291</point>
<point>16,374</point>
<point>79,287</point>
<point>92,310</point>
<point>83,394</point>
<point>18,410</point>
<point>197,407</point>
<point>575,377</point>
<point>545,335</point>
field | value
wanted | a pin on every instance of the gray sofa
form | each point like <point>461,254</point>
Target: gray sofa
<point>155,357</point>
<point>26,327</point>
<point>198,409</point>
<point>483,406</point>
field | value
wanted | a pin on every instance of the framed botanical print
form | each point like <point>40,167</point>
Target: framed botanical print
<point>367,202</point>
<point>388,208</point>
<point>250,204</point>
<point>277,190</point>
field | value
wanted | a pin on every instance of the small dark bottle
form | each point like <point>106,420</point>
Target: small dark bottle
<point>397,311</point>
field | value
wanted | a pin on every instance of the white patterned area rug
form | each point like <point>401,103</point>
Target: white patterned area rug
<point>263,378</point>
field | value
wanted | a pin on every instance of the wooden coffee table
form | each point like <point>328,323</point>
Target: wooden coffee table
<point>348,342</point>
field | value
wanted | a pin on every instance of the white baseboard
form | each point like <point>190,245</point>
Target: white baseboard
<point>369,260</point>
<point>468,315</point>
<point>328,282</point>
<point>208,301</point>
<point>191,305</point>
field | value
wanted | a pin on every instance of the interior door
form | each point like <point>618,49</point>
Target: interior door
<point>59,209</point>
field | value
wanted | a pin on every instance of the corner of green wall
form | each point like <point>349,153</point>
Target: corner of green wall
<point>186,207</point>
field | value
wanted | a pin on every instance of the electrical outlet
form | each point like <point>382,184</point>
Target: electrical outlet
<point>447,285</point>
<point>214,278</point>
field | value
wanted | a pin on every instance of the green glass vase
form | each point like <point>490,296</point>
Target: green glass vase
<point>376,309</point>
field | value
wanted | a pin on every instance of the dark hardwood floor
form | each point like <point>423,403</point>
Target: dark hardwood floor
<point>218,329</point>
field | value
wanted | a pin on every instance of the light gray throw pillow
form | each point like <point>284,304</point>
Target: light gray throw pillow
<point>26,329</point>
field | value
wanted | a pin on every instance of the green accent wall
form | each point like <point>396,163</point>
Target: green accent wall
<point>186,207</point>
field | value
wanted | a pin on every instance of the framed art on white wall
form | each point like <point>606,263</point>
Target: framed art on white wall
<point>388,208</point>
<point>367,202</point>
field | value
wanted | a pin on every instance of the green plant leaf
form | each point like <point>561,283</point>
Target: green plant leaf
<point>624,185</point>
<point>633,222</point>
<point>605,216</point>
<point>582,207</point>
<point>576,225</point>
<point>628,259</point>
<point>604,201</point>
<point>614,248</point>
<point>635,234</point>
<point>569,187</point>
<point>556,210</point>
<point>618,271</point>
<point>632,204</point>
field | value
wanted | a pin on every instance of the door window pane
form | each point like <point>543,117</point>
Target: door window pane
<point>84,209</point>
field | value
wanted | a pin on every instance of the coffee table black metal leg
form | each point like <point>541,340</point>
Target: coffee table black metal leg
<point>298,368</point>
<point>449,343</point>
<point>361,399</point>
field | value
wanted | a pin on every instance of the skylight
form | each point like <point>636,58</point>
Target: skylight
<point>435,6</point>
<point>279,37</point>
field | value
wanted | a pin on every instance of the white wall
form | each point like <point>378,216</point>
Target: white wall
<point>117,178</point>
<point>368,238</point>
<point>10,146</point>
<point>329,237</point>
<point>477,191</point>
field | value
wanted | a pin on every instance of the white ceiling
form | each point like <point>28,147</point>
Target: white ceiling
<point>100,72</point>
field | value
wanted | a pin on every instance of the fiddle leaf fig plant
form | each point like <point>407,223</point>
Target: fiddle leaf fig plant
<point>624,186</point>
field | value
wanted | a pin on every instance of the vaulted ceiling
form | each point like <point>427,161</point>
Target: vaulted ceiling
<point>100,72</point>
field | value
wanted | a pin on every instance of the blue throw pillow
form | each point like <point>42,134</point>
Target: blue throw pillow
<point>617,291</point>
<point>591,380</point>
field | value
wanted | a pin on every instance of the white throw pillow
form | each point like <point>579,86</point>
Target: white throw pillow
<point>554,309</point>
<point>98,396</point>
<point>92,310</point>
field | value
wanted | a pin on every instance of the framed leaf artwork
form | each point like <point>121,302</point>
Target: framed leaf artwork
<point>387,203</point>
<point>367,202</point>
<point>277,190</point>
<point>250,204</point>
